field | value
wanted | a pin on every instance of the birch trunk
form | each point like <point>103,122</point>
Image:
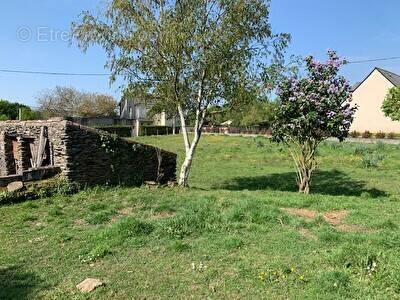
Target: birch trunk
<point>187,164</point>
<point>190,147</point>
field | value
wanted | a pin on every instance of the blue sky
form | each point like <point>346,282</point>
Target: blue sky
<point>357,29</point>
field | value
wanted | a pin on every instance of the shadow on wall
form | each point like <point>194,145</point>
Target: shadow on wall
<point>335,183</point>
<point>15,283</point>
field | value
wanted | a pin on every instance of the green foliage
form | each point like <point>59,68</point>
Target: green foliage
<point>255,113</point>
<point>157,130</point>
<point>380,135</point>
<point>354,134</point>
<point>10,111</point>
<point>40,189</point>
<point>335,281</point>
<point>179,246</point>
<point>366,134</point>
<point>391,104</point>
<point>130,227</point>
<point>100,217</point>
<point>371,159</point>
<point>96,253</point>
<point>28,114</point>
<point>55,211</point>
<point>122,131</point>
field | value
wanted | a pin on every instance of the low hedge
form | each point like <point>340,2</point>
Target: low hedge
<point>378,135</point>
<point>122,131</point>
<point>157,130</point>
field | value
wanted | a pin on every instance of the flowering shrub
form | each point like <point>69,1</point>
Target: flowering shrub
<point>312,109</point>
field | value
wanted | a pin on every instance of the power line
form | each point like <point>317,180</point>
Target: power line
<point>108,74</point>
<point>373,60</point>
<point>52,73</point>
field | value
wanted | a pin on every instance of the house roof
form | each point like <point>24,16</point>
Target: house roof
<point>392,77</point>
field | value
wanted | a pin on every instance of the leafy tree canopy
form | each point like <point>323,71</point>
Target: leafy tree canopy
<point>10,111</point>
<point>391,105</point>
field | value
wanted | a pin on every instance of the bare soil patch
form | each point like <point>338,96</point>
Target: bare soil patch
<point>335,218</point>
<point>162,215</point>
<point>300,212</point>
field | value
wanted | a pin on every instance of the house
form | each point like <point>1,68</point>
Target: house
<point>34,149</point>
<point>136,113</point>
<point>369,95</point>
<point>130,113</point>
<point>130,109</point>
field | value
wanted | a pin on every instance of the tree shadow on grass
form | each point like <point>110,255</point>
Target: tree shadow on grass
<point>15,283</point>
<point>335,183</point>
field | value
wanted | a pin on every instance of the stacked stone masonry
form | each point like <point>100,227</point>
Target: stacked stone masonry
<point>83,155</point>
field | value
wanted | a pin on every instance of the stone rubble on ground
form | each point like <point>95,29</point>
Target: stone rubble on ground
<point>89,284</point>
<point>15,186</point>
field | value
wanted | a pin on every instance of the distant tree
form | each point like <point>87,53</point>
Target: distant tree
<point>59,102</point>
<point>391,104</point>
<point>30,114</point>
<point>96,105</point>
<point>10,111</point>
<point>69,102</point>
<point>216,115</point>
<point>187,54</point>
<point>260,112</point>
<point>311,109</point>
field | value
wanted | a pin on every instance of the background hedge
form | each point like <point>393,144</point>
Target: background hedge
<point>122,131</point>
<point>157,130</point>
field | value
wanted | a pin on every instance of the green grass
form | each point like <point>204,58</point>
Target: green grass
<point>224,238</point>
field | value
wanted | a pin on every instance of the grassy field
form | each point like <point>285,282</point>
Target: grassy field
<point>240,232</point>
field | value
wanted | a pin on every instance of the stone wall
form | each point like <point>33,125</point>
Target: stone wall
<point>22,130</point>
<point>88,156</point>
<point>96,157</point>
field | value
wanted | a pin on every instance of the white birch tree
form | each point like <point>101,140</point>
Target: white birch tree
<point>185,55</point>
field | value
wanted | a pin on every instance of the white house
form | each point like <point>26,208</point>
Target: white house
<point>137,113</point>
<point>369,95</point>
